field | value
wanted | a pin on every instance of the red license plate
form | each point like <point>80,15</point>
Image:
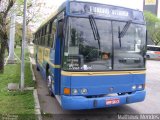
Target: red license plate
<point>112,101</point>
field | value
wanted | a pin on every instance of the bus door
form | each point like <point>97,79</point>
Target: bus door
<point>57,70</point>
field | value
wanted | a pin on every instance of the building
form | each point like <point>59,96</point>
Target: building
<point>152,6</point>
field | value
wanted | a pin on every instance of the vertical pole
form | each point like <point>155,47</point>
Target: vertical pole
<point>12,36</point>
<point>23,42</point>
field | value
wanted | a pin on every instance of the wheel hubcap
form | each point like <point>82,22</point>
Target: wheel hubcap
<point>49,82</point>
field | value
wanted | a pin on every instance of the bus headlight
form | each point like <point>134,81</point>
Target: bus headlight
<point>140,86</point>
<point>134,87</point>
<point>84,91</point>
<point>74,91</point>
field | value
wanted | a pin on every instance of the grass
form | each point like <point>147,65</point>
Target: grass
<point>16,102</point>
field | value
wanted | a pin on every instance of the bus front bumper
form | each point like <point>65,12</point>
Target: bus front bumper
<point>81,102</point>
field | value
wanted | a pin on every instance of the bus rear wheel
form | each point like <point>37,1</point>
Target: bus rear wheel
<point>49,85</point>
<point>37,68</point>
<point>148,57</point>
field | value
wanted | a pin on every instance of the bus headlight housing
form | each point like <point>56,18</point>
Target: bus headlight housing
<point>140,86</point>
<point>74,91</point>
<point>134,87</point>
<point>84,91</point>
<point>67,91</point>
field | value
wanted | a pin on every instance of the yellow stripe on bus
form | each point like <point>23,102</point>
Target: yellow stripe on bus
<point>65,73</point>
<point>51,64</point>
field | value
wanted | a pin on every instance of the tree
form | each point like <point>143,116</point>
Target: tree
<point>5,7</point>
<point>33,10</point>
<point>34,14</point>
<point>18,34</point>
<point>153,27</point>
<point>156,35</point>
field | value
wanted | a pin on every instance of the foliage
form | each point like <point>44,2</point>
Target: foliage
<point>156,35</point>
<point>150,18</point>
<point>153,27</point>
<point>33,15</point>
<point>18,36</point>
<point>33,10</point>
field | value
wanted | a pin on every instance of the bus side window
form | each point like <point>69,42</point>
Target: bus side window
<point>53,33</point>
<point>50,31</point>
<point>54,27</point>
<point>43,41</point>
<point>41,36</point>
<point>38,37</point>
<point>45,36</point>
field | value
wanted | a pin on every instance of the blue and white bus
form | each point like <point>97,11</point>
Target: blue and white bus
<point>93,55</point>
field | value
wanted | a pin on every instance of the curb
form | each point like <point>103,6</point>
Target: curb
<point>37,105</point>
<point>35,93</point>
<point>33,76</point>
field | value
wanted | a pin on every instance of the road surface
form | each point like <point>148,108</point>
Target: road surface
<point>51,108</point>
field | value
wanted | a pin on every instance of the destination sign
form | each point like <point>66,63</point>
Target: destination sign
<point>106,11</point>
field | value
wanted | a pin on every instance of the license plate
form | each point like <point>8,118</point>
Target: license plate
<point>112,101</point>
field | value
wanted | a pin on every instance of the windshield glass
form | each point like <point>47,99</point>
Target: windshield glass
<point>83,53</point>
<point>129,50</point>
<point>82,49</point>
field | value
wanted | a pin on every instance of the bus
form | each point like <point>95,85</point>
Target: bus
<point>153,52</point>
<point>92,55</point>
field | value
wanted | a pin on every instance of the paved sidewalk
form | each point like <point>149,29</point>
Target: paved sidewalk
<point>43,94</point>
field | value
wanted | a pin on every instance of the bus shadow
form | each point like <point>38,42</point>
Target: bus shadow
<point>112,113</point>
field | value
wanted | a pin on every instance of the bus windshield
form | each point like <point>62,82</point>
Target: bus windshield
<point>83,52</point>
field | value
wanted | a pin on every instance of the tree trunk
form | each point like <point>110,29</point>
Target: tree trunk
<point>3,44</point>
<point>3,33</point>
<point>2,52</point>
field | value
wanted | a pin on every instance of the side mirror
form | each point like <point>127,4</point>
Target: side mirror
<point>33,41</point>
<point>60,29</point>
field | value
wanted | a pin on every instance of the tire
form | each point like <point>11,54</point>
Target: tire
<point>148,57</point>
<point>37,68</point>
<point>49,85</point>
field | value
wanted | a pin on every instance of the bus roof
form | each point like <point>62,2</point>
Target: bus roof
<point>101,4</point>
<point>65,4</point>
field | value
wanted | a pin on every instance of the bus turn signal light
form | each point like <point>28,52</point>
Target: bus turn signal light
<point>67,91</point>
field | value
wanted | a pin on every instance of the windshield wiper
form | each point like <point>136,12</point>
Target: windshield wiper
<point>95,30</point>
<point>125,28</point>
<point>122,33</point>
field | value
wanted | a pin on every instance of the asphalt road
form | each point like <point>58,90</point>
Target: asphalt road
<point>50,107</point>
